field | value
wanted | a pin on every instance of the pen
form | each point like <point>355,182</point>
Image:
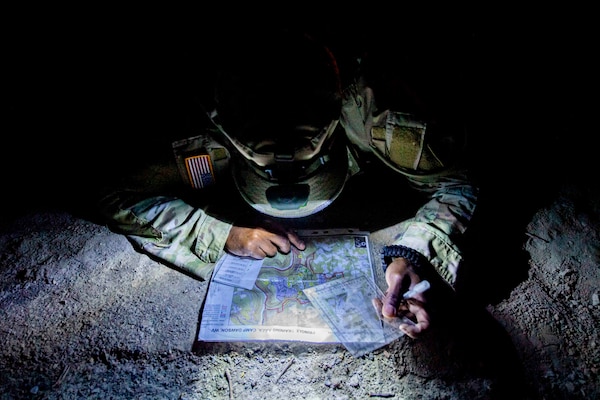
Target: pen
<point>418,288</point>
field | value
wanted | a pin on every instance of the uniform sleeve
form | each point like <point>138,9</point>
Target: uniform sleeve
<point>170,229</point>
<point>404,144</point>
<point>439,222</point>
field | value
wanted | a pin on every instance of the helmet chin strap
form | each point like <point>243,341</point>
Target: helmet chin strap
<point>264,160</point>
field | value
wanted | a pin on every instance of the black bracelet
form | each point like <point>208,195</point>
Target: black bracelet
<point>413,256</point>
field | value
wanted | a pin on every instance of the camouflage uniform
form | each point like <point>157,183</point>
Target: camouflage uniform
<point>192,239</point>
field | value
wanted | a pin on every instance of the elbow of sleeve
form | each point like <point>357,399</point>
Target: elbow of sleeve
<point>182,259</point>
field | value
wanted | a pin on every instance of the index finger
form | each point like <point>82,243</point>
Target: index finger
<point>284,236</point>
<point>284,240</point>
<point>295,240</point>
<point>422,317</point>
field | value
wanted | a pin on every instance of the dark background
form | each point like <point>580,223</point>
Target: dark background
<point>90,93</point>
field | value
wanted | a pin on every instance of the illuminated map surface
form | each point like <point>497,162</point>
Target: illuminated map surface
<point>275,307</point>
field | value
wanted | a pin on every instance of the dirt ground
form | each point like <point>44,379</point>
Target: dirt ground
<point>85,316</point>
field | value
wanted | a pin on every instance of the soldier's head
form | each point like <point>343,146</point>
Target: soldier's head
<point>278,102</point>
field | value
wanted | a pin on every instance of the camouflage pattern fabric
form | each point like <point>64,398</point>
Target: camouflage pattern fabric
<point>190,239</point>
<point>169,229</point>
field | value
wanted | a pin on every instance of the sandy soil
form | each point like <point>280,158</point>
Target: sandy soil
<point>83,315</point>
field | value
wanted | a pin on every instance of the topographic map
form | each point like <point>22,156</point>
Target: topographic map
<point>250,300</point>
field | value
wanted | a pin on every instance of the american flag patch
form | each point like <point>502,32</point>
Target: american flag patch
<point>200,171</point>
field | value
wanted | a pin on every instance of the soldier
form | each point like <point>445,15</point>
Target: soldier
<point>287,135</point>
